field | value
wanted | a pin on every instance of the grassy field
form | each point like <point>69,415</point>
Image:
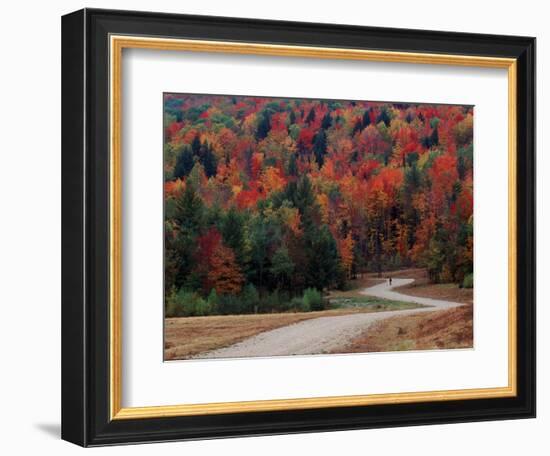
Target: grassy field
<point>447,329</point>
<point>189,336</point>
<point>370,303</point>
<point>444,291</point>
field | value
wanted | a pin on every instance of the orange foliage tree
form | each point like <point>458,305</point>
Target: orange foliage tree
<point>346,254</point>
<point>225,275</point>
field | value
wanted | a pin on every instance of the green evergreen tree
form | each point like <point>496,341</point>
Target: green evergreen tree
<point>292,118</point>
<point>208,160</point>
<point>292,166</point>
<point>326,123</point>
<point>264,125</point>
<point>250,298</point>
<point>184,163</point>
<point>323,259</point>
<point>384,117</point>
<point>320,147</point>
<point>357,127</point>
<point>259,249</point>
<point>412,159</point>
<point>282,266</point>
<point>196,145</point>
<point>189,210</point>
<point>232,230</point>
<point>189,218</point>
<point>311,116</point>
<point>304,198</point>
<point>437,253</point>
<point>212,303</point>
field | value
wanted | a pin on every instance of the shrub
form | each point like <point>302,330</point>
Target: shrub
<point>271,302</point>
<point>171,306</point>
<point>312,299</point>
<point>250,298</point>
<point>230,305</point>
<point>301,304</point>
<point>282,302</point>
<point>341,278</point>
<point>213,302</point>
<point>297,304</point>
<point>468,281</point>
<point>200,307</point>
<point>185,303</point>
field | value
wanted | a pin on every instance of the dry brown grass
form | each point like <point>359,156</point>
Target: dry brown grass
<point>188,336</point>
<point>451,328</point>
<point>444,291</point>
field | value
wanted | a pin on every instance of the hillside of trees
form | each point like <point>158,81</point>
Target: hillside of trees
<point>269,202</point>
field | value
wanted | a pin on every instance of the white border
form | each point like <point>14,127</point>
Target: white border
<point>149,381</point>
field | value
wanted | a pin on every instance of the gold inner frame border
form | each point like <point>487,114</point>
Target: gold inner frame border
<point>116,46</point>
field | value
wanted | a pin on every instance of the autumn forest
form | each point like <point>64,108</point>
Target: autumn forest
<point>272,202</point>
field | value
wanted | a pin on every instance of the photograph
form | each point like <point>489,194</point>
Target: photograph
<point>298,226</point>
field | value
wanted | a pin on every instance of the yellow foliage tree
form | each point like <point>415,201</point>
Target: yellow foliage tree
<point>322,199</point>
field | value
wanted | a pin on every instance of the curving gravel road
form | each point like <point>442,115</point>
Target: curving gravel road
<point>384,290</point>
<point>325,334</point>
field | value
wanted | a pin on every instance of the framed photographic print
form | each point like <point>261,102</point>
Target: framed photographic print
<point>275,227</point>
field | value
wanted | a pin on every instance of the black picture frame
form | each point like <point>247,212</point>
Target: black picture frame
<point>85,228</point>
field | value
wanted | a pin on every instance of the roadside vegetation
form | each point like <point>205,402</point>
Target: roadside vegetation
<point>191,304</point>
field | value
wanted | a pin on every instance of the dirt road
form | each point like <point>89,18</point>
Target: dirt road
<point>325,334</point>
